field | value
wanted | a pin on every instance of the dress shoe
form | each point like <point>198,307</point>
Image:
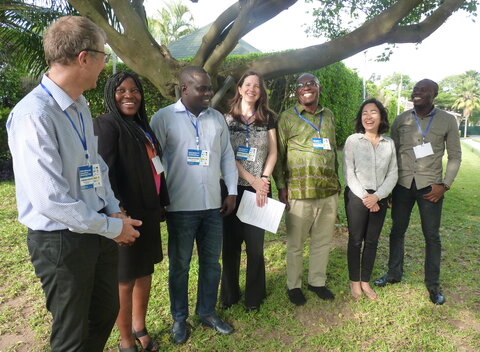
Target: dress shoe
<point>385,280</point>
<point>179,332</point>
<point>437,297</point>
<point>295,295</point>
<point>214,322</point>
<point>322,291</point>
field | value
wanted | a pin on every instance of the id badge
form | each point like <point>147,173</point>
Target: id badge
<point>97,176</point>
<point>198,157</point>
<point>85,174</point>
<point>246,153</point>
<point>157,164</point>
<point>423,150</point>
<point>321,143</point>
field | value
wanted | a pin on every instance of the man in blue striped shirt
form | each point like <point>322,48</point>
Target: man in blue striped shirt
<point>63,191</point>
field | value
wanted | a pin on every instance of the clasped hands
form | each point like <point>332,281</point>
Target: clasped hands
<point>371,202</point>
<point>129,234</point>
<point>262,187</point>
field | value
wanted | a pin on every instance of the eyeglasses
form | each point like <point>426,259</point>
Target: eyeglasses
<point>106,57</point>
<point>307,84</point>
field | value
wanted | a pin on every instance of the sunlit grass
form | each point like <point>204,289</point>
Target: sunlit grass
<point>403,319</point>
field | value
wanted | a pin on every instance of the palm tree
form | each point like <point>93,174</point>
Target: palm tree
<point>175,21</point>
<point>22,24</point>
<point>468,96</point>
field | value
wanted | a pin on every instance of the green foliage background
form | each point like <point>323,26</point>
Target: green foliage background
<point>341,93</point>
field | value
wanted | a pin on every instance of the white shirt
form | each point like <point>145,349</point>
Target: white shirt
<point>195,187</point>
<point>368,167</point>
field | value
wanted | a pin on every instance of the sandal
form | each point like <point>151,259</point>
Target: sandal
<point>152,345</point>
<point>127,349</point>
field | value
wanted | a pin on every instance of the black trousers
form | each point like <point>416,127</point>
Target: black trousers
<point>78,273</point>
<point>364,228</point>
<point>235,233</point>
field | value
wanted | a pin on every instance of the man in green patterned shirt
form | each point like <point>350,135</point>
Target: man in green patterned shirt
<point>307,180</point>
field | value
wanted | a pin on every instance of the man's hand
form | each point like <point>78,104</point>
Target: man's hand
<point>375,208</point>
<point>128,234</point>
<point>435,194</point>
<point>283,197</point>
<point>228,205</point>
<point>369,200</point>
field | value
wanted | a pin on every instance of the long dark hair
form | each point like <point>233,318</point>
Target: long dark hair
<point>140,118</point>
<point>384,124</point>
<point>262,111</point>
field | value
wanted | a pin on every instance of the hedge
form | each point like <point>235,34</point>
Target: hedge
<point>341,93</point>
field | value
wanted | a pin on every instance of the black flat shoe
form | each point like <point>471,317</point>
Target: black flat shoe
<point>214,322</point>
<point>385,280</point>
<point>437,297</point>
<point>295,295</point>
<point>179,332</point>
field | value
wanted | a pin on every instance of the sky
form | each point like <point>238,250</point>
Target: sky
<point>452,49</point>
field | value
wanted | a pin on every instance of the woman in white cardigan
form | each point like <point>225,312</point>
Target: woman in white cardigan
<point>370,170</point>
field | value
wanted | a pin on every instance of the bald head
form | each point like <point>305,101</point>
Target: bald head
<point>186,76</point>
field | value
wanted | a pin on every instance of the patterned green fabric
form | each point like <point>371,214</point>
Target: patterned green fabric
<point>308,172</point>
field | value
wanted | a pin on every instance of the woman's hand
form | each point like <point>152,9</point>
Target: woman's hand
<point>262,187</point>
<point>375,208</point>
<point>369,200</point>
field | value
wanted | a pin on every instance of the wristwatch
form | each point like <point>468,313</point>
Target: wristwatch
<point>447,187</point>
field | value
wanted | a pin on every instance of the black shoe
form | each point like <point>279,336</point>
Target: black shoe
<point>179,332</point>
<point>437,297</point>
<point>215,323</point>
<point>385,280</point>
<point>322,291</point>
<point>295,295</point>
<point>252,308</point>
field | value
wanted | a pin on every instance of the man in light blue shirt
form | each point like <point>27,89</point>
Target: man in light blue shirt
<point>196,151</point>
<point>63,191</point>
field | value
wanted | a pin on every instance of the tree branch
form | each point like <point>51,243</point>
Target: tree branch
<point>418,32</point>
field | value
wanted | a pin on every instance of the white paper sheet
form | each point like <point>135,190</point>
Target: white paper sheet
<point>267,217</point>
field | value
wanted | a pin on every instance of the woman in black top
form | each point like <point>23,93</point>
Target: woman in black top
<point>252,134</point>
<point>129,147</point>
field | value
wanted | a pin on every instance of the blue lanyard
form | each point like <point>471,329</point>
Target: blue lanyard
<point>311,124</point>
<point>197,138</point>
<point>150,139</point>
<point>246,126</point>
<point>424,134</point>
<point>83,139</point>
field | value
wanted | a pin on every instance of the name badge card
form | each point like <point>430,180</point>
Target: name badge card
<point>198,157</point>
<point>90,176</point>
<point>321,143</point>
<point>157,164</point>
<point>97,176</point>
<point>423,150</point>
<point>246,153</point>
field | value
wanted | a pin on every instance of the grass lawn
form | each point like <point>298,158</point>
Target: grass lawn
<point>403,319</point>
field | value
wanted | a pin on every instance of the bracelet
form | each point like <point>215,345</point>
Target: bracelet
<point>265,176</point>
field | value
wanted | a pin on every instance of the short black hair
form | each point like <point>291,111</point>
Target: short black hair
<point>384,124</point>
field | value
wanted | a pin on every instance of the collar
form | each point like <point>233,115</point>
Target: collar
<point>59,95</point>
<point>179,107</point>
<point>431,113</point>
<point>301,108</point>
<point>362,136</point>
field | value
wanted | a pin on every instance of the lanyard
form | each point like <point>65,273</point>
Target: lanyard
<point>311,124</point>
<point>197,138</point>
<point>150,139</point>
<point>246,126</point>
<point>83,139</point>
<point>424,134</point>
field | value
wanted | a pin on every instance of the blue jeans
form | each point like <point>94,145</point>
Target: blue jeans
<point>430,214</point>
<point>185,227</point>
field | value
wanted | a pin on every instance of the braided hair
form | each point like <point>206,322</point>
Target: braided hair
<point>139,125</point>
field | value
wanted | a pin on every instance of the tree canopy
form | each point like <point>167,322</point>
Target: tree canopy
<point>351,26</point>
